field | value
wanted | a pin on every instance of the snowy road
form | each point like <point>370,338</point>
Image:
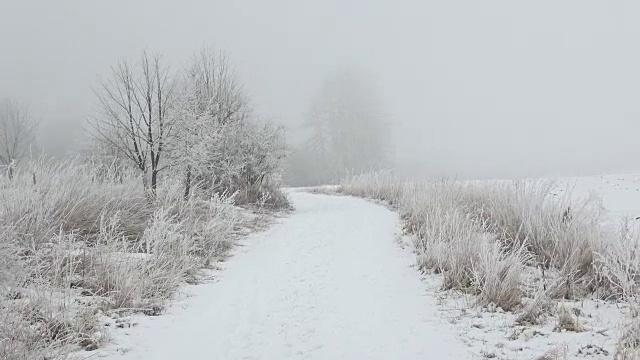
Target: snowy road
<point>328,282</point>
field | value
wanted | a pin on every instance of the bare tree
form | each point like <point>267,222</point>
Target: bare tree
<point>134,114</point>
<point>18,127</point>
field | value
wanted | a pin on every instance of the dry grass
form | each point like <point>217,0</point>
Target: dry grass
<point>617,264</point>
<point>497,276</point>
<point>557,353</point>
<point>481,236</point>
<point>559,235</point>
<point>68,198</point>
<point>567,321</point>
<point>45,324</point>
<point>535,310</point>
<point>448,239</point>
<point>628,346</point>
<point>77,233</point>
<point>377,185</point>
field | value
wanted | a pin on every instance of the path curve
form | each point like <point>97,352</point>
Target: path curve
<point>329,282</point>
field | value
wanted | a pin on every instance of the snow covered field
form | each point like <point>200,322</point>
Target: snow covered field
<point>620,192</point>
<point>336,280</point>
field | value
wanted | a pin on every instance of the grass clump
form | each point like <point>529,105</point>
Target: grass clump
<point>628,346</point>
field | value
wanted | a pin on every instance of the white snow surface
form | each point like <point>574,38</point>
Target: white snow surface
<point>330,281</point>
<point>620,192</point>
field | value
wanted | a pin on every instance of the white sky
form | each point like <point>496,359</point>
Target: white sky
<point>475,88</point>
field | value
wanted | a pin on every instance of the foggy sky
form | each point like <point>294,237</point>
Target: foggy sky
<point>492,88</point>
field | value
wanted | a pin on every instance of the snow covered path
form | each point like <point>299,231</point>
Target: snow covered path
<point>329,282</point>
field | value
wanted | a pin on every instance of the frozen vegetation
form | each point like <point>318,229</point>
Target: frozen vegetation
<point>526,270</point>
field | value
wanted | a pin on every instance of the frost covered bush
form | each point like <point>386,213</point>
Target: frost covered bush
<point>251,168</point>
<point>220,146</point>
<point>242,159</point>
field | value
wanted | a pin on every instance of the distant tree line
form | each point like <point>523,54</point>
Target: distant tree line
<point>347,131</point>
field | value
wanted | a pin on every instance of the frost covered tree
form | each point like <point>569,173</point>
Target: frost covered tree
<point>209,98</point>
<point>349,130</point>
<point>220,144</point>
<point>134,115</point>
<point>18,128</point>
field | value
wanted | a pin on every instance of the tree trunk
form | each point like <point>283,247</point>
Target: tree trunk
<point>187,184</point>
<point>145,181</point>
<point>154,181</point>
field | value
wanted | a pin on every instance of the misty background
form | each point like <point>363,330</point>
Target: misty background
<point>473,89</point>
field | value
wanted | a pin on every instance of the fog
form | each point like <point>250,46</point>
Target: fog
<point>473,88</point>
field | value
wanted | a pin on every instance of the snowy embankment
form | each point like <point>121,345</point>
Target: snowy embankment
<point>331,281</point>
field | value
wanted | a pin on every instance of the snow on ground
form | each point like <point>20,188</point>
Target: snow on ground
<point>329,282</point>
<point>493,334</point>
<point>620,193</point>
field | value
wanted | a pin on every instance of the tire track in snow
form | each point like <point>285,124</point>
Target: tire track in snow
<point>329,282</point>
